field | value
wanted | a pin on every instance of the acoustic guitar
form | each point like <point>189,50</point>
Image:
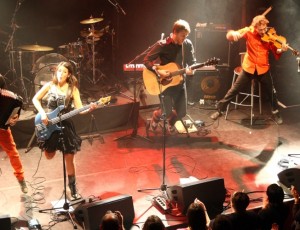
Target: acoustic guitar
<point>155,85</point>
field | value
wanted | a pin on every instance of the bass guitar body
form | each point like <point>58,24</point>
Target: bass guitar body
<point>44,132</point>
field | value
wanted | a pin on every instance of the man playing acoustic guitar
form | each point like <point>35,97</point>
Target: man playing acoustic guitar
<point>175,50</point>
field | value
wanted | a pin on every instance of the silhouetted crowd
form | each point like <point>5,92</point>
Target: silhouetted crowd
<point>272,216</point>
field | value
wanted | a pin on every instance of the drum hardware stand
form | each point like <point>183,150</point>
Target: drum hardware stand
<point>93,132</point>
<point>93,80</point>
<point>66,205</point>
<point>10,44</point>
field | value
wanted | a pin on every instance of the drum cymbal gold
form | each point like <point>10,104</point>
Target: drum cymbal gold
<point>90,33</point>
<point>91,20</point>
<point>35,48</point>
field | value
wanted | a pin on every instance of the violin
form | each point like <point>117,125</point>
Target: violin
<point>277,40</point>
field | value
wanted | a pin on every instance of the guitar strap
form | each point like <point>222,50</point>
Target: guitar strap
<point>182,60</point>
<point>68,97</point>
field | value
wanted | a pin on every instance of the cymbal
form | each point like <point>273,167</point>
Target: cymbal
<point>35,48</point>
<point>88,33</point>
<point>91,20</point>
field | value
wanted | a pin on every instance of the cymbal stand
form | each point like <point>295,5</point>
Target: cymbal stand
<point>23,87</point>
<point>94,80</point>
<point>10,44</point>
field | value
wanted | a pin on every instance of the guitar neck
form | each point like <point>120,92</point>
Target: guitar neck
<point>182,71</point>
<point>69,114</point>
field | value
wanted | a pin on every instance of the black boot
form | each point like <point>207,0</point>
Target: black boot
<point>73,189</point>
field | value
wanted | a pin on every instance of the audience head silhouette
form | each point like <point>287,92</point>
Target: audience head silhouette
<point>275,194</point>
<point>110,221</point>
<point>196,217</point>
<point>153,222</point>
<point>240,201</point>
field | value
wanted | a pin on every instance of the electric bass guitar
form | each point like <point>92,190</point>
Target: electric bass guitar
<point>155,85</point>
<point>43,132</point>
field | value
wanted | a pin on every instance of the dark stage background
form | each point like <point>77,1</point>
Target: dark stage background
<point>55,22</point>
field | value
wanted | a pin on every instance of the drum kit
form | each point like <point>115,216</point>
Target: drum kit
<point>75,52</point>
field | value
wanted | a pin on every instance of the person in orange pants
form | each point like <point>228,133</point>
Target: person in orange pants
<point>8,144</point>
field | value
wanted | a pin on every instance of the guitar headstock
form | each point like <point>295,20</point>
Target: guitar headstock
<point>212,61</point>
<point>104,100</point>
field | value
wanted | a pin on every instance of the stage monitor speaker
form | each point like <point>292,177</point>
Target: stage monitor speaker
<point>210,191</point>
<point>289,177</point>
<point>90,215</point>
<point>5,222</point>
<point>212,43</point>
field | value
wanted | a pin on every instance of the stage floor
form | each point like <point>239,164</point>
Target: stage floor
<point>248,158</point>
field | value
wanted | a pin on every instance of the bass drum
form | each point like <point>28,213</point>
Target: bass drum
<point>44,75</point>
<point>48,59</point>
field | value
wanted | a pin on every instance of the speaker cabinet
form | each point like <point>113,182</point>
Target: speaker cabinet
<point>290,176</point>
<point>207,87</point>
<point>212,43</point>
<point>5,222</point>
<point>90,215</point>
<point>210,191</point>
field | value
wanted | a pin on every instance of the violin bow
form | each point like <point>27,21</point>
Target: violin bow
<point>267,11</point>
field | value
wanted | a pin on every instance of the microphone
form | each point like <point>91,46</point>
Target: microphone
<point>162,36</point>
<point>298,60</point>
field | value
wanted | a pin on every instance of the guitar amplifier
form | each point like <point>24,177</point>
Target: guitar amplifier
<point>208,86</point>
<point>212,43</point>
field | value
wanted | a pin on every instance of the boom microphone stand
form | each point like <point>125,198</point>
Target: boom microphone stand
<point>135,124</point>
<point>66,205</point>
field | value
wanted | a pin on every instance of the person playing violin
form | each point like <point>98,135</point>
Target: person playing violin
<point>255,65</point>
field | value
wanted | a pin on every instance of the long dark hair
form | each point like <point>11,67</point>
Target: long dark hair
<point>72,80</point>
<point>196,217</point>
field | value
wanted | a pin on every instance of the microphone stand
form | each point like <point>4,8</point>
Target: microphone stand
<point>66,205</point>
<point>163,188</point>
<point>134,61</point>
<point>135,124</point>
